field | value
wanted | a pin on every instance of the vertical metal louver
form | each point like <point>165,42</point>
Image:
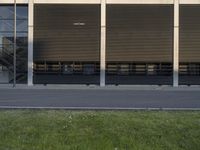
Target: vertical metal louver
<point>189,44</point>
<point>139,44</point>
<point>66,43</point>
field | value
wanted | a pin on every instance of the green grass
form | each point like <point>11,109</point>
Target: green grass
<point>99,130</point>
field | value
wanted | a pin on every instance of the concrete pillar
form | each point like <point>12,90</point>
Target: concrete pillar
<point>30,42</point>
<point>103,44</point>
<point>176,45</point>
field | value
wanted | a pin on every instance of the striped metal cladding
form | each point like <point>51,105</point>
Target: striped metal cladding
<point>189,33</point>
<point>189,54</point>
<point>139,44</point>
<point>66,32</point>
<point>66,44</point>
<point>139,33</point>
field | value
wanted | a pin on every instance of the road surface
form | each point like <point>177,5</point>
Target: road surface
<point>99,98</point>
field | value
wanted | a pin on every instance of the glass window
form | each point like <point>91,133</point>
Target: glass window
<point>22,12</point>
<point>6,25</point>
<point>22,25</point>
<point>22,40</point>
<point>6,12</point>
<point>6,42</point>
<point>5,38</point>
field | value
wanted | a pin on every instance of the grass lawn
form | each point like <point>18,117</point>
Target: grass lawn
<point>99,130</point>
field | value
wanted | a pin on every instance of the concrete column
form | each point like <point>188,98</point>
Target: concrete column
<point>176,45</point>
<point>103,44</point>
<point>30,42</point>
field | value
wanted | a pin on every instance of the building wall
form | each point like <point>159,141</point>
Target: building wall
<point>99,1</point>
<point>177,54</point>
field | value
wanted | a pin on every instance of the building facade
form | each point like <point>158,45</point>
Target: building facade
<point>143,42</point>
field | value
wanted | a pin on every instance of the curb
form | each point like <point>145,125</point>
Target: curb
<point>101,108</point>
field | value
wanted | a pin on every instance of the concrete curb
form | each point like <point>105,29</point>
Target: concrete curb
<point>101,108</point>
<point>96,87</point>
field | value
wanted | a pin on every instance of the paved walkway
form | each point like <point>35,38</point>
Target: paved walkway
<point>92,97</point>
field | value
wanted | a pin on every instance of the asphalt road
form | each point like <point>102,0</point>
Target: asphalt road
<point>95,98</point>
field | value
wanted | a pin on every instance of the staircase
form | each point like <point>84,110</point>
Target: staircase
<point>6,60</point>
